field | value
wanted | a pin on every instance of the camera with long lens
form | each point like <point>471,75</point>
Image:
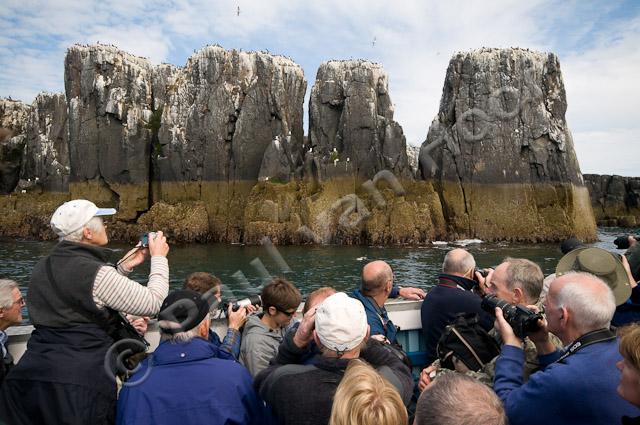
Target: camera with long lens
<point>254,300</point>
<point>522,320</point>
<point>622,242</point>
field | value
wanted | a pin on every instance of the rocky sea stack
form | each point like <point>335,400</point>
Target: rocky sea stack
<point>500,150</point>
<point>216,151</point>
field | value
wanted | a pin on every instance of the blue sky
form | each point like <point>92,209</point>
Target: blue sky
<point>598,44</point>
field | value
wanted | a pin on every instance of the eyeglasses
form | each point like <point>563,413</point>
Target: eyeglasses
<point>21,301</point>
<point>287,313</point>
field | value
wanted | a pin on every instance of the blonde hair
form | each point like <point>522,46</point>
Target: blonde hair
<point>366,398</point>
<point>630,344</point>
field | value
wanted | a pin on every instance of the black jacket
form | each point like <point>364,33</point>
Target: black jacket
<point>452,295</point>
<point>303,394</point>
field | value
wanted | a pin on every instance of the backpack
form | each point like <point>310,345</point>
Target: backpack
<point>466,340</point>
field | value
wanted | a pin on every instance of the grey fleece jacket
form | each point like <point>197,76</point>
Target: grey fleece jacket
<point>259,344</point>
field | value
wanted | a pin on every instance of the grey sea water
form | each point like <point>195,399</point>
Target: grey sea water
<point>242,268</point>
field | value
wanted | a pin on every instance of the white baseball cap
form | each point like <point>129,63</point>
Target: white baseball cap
<point>72,215</point>
<point>341,323</point>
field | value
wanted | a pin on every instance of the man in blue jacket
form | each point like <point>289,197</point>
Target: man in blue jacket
<point>376,287</point>
<point>576,385</point>
<point>183,382</point>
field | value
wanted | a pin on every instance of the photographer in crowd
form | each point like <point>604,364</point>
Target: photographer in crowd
<point>263,333</point>
<point>183,381</point>
<point>576,386</point>
<point>516,281</point>
<point>453,294</point>
<point>74,295</point>
<point>614,270</point>
<point>210,287</point>
<point>11,303</point>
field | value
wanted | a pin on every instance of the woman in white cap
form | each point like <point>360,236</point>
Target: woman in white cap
<point>62,376</point>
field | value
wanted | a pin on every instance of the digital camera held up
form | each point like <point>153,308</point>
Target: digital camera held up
<point>622,242</point>
<point>144,239</point>
<point>522,320</point>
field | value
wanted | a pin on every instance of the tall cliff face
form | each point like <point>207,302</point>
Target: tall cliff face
<point>351,120</point>
<point>222,111</point>
<point>110,106</point>
<point>615,199</point>
<point>221,114</point>
<point>13,120</point>
<point>46,155</point>
<point>501,152</point>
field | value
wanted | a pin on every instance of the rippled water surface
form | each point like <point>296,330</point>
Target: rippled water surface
<point>310,266</point>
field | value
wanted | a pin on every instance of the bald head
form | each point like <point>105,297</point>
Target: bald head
<point>375,277</point>
<point>588,299</point>
<point>458,262</point>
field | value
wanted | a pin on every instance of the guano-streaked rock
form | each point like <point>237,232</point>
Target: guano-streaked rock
<point>500,150</point>
<point>110,106</point>
<point>351,122</point>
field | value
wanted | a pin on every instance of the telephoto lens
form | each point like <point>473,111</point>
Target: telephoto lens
<point>236,305</point>
<point>522,320</point>
<point>622,242</point>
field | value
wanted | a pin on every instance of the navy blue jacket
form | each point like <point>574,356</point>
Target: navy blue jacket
<point>628,312</point>
<point>452,295</point>
<point>185,384</point>
<point>377,317</point>
<point>580,389</point>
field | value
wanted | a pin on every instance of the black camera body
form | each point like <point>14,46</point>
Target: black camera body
<point>522,320</point>
<point>254,300</point>
<point>622,242</point>
<point>144,239</point>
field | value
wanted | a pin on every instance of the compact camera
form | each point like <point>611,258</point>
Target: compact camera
<point>144,239</point>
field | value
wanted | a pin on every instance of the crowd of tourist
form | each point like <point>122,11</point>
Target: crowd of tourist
<point>558,350</point>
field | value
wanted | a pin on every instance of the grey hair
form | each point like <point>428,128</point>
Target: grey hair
<point>6,292</point>
<point>525,275</point>
<point>95,224</point>
<point>454,398</point>
<point>182,337</point>
<point>456,263</point>
<point>592,309</point>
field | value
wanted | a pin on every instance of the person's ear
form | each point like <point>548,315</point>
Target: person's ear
<point>272,311</point>
<point>87,233</point>
<point>564,316</point>
<point>518,296</point>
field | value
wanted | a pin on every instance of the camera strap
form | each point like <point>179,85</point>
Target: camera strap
<point>594,337</point>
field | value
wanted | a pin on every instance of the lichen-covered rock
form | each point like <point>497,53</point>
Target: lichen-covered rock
<point>615,199</point>
<point>187,222</point>
<point>221,111</point>
<point>110,105</point>
<point>46,158</point>
<point>351,126</point>
<point>502,122</point>
<point>13,118</point>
